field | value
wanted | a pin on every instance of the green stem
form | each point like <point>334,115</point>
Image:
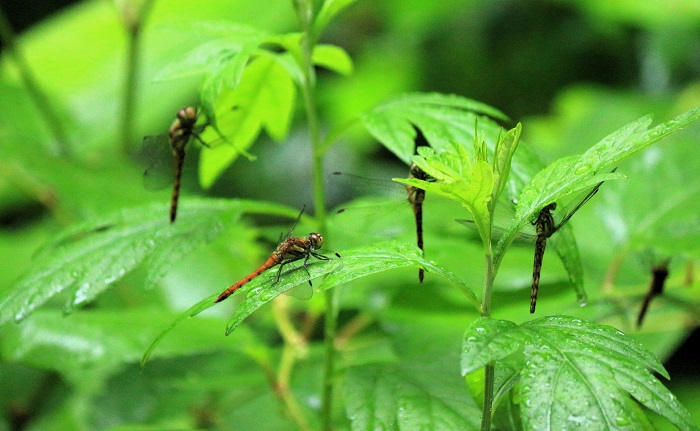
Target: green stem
<point>134,20</point>
<point>304,10</point>
<point>489,371</point>
<point>41,100</point>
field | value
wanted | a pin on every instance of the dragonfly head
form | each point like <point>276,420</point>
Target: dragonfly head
<point>316,240</point>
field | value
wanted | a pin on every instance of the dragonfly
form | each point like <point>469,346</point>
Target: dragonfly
<point>546,226</point>
<point>183,128</point>
<point>414,196</point>
<point>290,249</point>
<point>659,273</point>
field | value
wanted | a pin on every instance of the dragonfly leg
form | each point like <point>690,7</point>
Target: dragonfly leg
<point>306,259</point>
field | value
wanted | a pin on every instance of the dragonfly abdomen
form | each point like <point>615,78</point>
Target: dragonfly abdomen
<point>271,261</point>
<point>179,162</point>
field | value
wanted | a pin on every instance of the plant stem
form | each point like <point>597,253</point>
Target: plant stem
<point>304,10</point>
<point>489,371</point>
<point>134,20</point>
<point>41,100</point>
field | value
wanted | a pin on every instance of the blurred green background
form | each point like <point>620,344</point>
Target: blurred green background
<point>571,71</point>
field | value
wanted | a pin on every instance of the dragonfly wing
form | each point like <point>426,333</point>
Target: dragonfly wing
<point>303,291</point>
<point>157,160</point>
<point>525,238</point>
<point>564,244</point>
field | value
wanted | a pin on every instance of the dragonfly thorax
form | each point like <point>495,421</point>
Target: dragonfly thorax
<point>182,126</point>
<point>315,240</point>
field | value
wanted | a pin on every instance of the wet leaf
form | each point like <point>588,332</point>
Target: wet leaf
<point>87,258</point>
<point>443,120</point>
<point>574,373</point>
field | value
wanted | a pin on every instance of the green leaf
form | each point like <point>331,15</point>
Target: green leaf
<point>443,119</point>
<point>328,11</point>
<point>87,258</point>
<point>457,178</point>
<point>353,264</point>
<point>213,57</point>
<point>503,156</point>
<point>574,373</point>
<point>574,173</point>
<point>95,341</point>
<point>333,57</point>
<point>264,98</point>
<point>387,397</point>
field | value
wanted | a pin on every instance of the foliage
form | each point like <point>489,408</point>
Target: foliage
<point>120,305</point>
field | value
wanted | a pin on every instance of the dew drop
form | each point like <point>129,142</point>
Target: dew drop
<point>622,421</point>
<point>252,293</point>
<point>582,168</point>
<point>267,296</point>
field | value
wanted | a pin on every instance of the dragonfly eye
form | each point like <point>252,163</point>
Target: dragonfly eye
<point>316,240</point>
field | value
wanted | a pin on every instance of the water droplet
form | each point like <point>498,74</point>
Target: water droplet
<point>582,168</point>
<point>267,296</point>
<point>479,329</point>
<point>252,293</point>
<point>471,339</point>
<point>622,421</point>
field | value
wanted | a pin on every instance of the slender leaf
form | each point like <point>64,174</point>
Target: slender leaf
<point>574,373</point>
<point>503,156</point>
<point>353,264</point>
<point>328,11</point>
<point>574,173</point>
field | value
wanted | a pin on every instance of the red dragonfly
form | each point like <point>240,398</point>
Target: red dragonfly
<point>290,249</point>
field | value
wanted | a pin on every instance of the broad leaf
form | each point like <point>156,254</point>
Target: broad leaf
<point>387,397</point>
<point>86,259</point>
<point>226,41</point>
<point>332,57</point>
<point>574,374</point>
<point>96,341</point>
<point>264,98</point>
<point>443,120</point>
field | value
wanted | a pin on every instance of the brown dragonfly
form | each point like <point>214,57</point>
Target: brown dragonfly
<point>416,197</point>
<point>398,192</point>
<point>183,128</point>
<point>545,226</point>
<point>290,249</point>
